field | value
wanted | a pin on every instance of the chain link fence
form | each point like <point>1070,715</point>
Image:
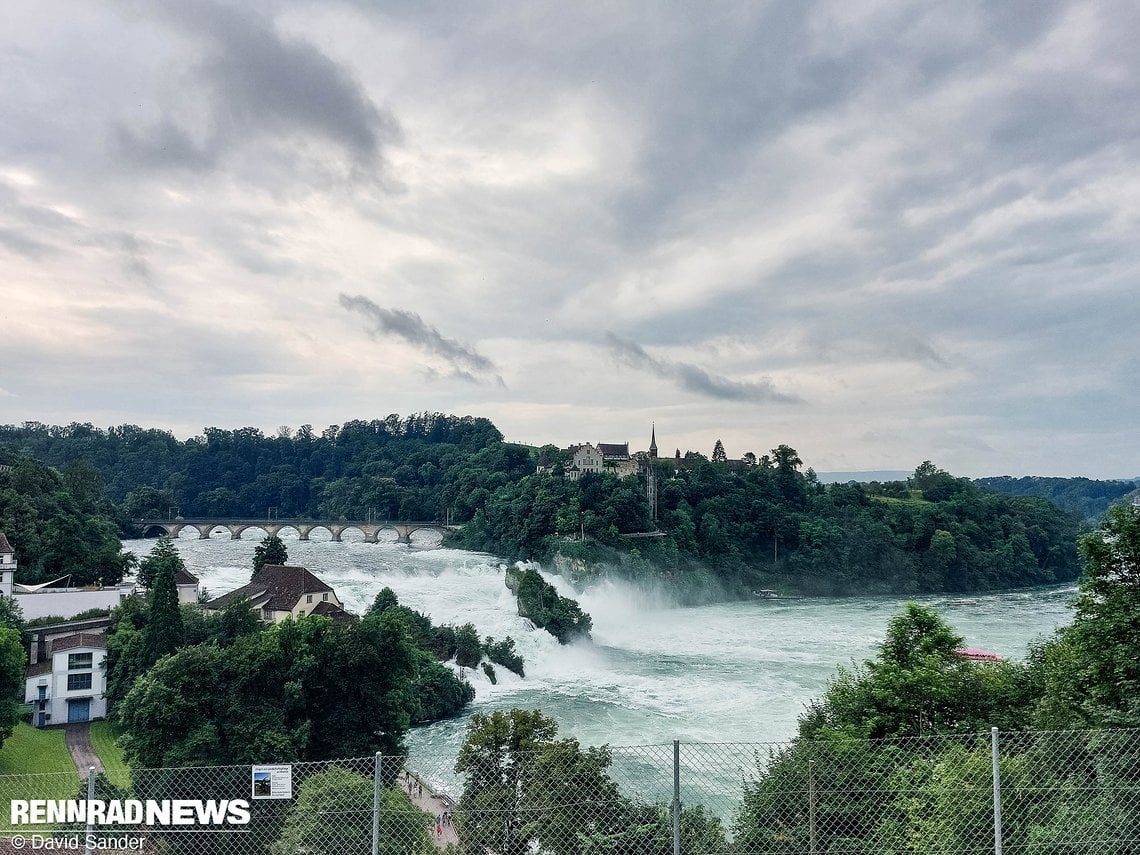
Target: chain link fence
<point>1032,793</point>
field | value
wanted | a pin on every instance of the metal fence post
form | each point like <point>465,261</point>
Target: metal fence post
<point>811,808</point>
<point>89,838</point>
<point>995,756</point>
<point>676,797</point>
<point>376,805</point>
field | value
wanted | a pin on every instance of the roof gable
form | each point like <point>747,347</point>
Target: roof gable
<point>281,586</point>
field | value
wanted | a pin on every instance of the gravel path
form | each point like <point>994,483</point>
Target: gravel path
<point>78,739</point>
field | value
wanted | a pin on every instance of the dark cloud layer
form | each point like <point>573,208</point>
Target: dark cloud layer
<point>692,378</point>
<point>465,362</point>
<point>260,85</point>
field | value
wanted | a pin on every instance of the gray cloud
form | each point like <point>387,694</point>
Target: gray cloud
<point>693,378</point>
<point>923,216</point>
<point>465,362</point>
<point>261,85</point>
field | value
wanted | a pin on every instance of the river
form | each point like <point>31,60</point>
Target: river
<point>654,672</point>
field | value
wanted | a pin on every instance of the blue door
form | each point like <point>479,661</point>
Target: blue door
<point>79,710</point>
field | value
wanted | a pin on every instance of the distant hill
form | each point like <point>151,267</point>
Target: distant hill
<point>1082,496</point>
<point>863,476</point>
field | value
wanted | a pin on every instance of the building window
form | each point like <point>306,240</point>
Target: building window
<point>308,598</point>
<point>78,661</point>
<point>325,597</point>
<point>78,681</point>
<point>41,693</point>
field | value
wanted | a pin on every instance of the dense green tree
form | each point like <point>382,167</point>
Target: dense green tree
<point>271,550</point>
<point>11,615</point>
<point>468,651</point>
<point>1093,667</point>
<point>718,453</point>
<point>497,759</point>
<point>503,653</point>
<point>163,632</point>
<point>919,685</point>
<point>524,790</point>
<point>306,689</point>
<point>59,525</point>
<point>13,660</point>
<point>332,815</point>
<point>384,600</point>
<point>539,601</point>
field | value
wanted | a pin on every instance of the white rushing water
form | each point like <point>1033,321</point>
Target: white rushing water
<point>654,672</point>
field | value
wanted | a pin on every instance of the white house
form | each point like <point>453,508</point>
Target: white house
<point>67,685</point>
<point>279,591</point>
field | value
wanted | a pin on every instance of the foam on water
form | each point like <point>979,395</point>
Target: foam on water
<point>654,671</point>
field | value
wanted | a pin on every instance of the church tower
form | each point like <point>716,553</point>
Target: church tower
<point>651,476</point>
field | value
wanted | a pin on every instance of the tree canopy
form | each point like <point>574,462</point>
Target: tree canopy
<point>59,522</point>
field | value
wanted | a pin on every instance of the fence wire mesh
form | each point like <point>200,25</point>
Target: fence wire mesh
<point>1058,793</point>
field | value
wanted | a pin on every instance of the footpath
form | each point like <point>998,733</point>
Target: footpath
<point>434,804</point>
<point>77,737</point>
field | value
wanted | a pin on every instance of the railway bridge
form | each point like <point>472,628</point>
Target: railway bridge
<point>371,529</point>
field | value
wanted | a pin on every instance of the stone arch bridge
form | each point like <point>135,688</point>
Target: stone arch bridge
<point>371,530</point>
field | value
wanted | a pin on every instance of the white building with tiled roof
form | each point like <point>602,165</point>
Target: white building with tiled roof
<point>67,684</point>
<point>279,591</point>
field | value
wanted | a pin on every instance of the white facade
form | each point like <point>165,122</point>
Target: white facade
<point>586,459</point>
<point>7,570</point>
<point>69,685</point>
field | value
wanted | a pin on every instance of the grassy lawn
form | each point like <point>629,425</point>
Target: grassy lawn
<point>34,764</point>
<point>104,736</point>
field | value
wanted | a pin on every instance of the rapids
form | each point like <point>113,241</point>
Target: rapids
<point>654,672</point>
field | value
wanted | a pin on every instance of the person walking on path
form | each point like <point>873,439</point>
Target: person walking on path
<point>435,807</point>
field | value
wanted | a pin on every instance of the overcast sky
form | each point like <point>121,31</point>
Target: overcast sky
<point>880,232</point>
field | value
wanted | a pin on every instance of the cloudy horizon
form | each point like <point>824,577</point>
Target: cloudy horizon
<point>879,232</point>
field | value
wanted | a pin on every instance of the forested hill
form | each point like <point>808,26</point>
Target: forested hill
<point>1083,496</point>
<point>768,524</point>
<point>396,468</point>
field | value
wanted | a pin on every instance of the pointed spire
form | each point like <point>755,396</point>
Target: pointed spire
<point>653,440</point>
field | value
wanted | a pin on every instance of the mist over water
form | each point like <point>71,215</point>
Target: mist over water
<point>654,672</point>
